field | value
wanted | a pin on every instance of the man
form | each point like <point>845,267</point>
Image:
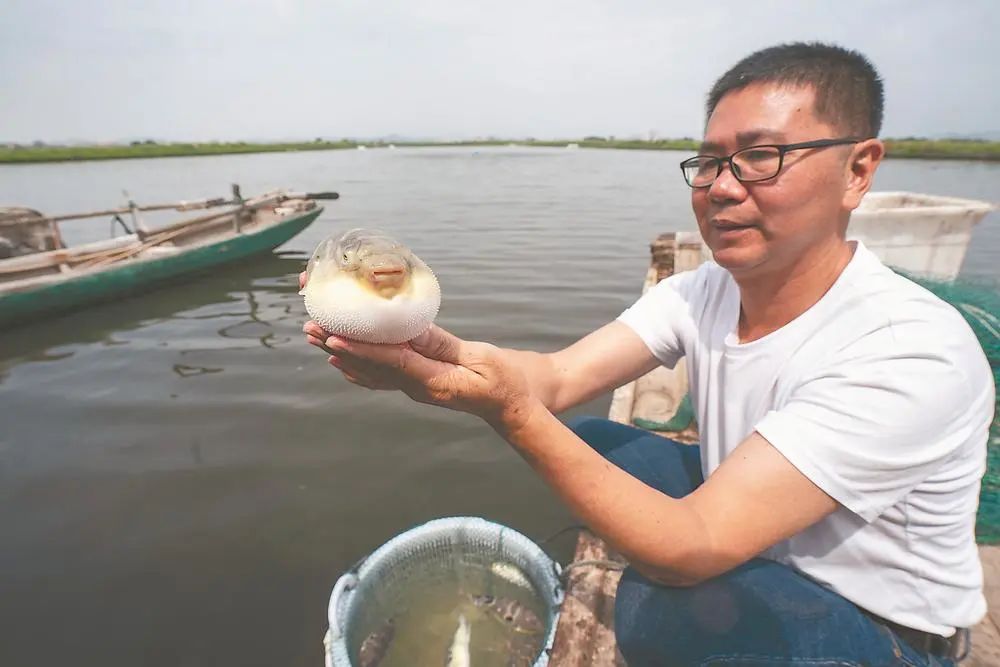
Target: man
<point>843,410</point>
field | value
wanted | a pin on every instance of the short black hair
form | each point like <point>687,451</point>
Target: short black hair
<point>849,91</point>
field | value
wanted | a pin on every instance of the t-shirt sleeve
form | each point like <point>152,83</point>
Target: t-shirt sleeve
<point>662,315</point>
<point>869,427</point>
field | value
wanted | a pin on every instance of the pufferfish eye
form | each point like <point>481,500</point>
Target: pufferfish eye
<point>347,255</point>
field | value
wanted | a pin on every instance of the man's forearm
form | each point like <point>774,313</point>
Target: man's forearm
<point>594,365</point>
<point>544,377</point>
<point>661,536</point>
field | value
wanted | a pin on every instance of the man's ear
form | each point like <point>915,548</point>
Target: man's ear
<point>864,160</point>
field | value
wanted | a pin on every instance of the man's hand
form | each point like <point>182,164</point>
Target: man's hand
<point>437,368</point>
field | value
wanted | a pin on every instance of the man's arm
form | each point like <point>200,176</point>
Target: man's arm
<point>597,363</point>
<point>754,500</point>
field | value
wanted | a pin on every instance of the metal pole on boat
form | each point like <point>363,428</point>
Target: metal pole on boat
<point>133,209</point>
<point>238,200</point>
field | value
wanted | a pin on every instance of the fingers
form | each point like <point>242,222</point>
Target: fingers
<point>357,378</point>
<point>314,329</point>
<point>318,342</point>
<point>382,354</point>
<point>310,328</point>
<point>362,361</point>
<point>316,336</point>
<point>436,343</point>
<point>383,366</point>
<point>336,363</point>
<point>401,361</point>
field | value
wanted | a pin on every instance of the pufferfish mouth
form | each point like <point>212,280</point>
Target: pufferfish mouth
<point>387,276</point>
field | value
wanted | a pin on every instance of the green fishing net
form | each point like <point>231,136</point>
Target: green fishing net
<point>979,303</point>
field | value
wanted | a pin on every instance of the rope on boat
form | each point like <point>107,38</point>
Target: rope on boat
<point>597,562</point>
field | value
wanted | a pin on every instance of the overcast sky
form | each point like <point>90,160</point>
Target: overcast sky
<point>273,69</point>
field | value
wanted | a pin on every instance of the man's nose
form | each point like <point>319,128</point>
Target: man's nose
<point>726,187</point>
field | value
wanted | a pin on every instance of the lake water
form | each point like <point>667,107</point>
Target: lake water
<point>182,478</point>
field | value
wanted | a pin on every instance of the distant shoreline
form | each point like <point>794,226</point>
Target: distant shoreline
<point>926,149</point>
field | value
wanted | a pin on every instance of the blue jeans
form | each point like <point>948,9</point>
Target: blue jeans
<point>760,613</point>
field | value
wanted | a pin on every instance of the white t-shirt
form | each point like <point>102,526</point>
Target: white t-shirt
<point>881,395</point>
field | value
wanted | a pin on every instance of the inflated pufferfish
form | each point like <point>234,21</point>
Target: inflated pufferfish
<point>366,286</point>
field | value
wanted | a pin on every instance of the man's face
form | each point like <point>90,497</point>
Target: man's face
<point>765,227</point>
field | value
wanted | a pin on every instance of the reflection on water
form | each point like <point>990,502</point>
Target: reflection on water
<point>244,302</point>
<point>190,371</point>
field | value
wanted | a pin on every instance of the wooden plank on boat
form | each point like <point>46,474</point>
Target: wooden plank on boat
<point>85,260</point>
<point>585,633</point>
<point>94,259</point>
<point>585,636</point>
<point>148,243</point>
<point>34,262</point>
<point>175,206</point>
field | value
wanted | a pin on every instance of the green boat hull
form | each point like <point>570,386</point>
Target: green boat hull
<point>132,277</point>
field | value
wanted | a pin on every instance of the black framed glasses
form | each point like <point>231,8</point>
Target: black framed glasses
<point>751,164</point>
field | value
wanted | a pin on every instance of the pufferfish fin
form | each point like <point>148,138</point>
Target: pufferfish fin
<point>311,265</point>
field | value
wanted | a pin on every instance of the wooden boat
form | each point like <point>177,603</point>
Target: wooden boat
<point>39,275</point>
<point>585,634</point>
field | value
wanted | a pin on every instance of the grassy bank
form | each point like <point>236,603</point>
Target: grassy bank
<point>943,149</point>
<point>928,149</point>
<point>896,148</point>
<point>26,154</point>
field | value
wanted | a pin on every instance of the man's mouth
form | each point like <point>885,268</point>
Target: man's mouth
<point>729,225</point>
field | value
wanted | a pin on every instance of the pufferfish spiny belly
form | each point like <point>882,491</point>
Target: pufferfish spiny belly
<point>366,286</point>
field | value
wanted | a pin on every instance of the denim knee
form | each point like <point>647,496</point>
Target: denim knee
<point>650,632</point>
<point>585,424</point>
<point>760,613</point>
<point>670,625</point>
